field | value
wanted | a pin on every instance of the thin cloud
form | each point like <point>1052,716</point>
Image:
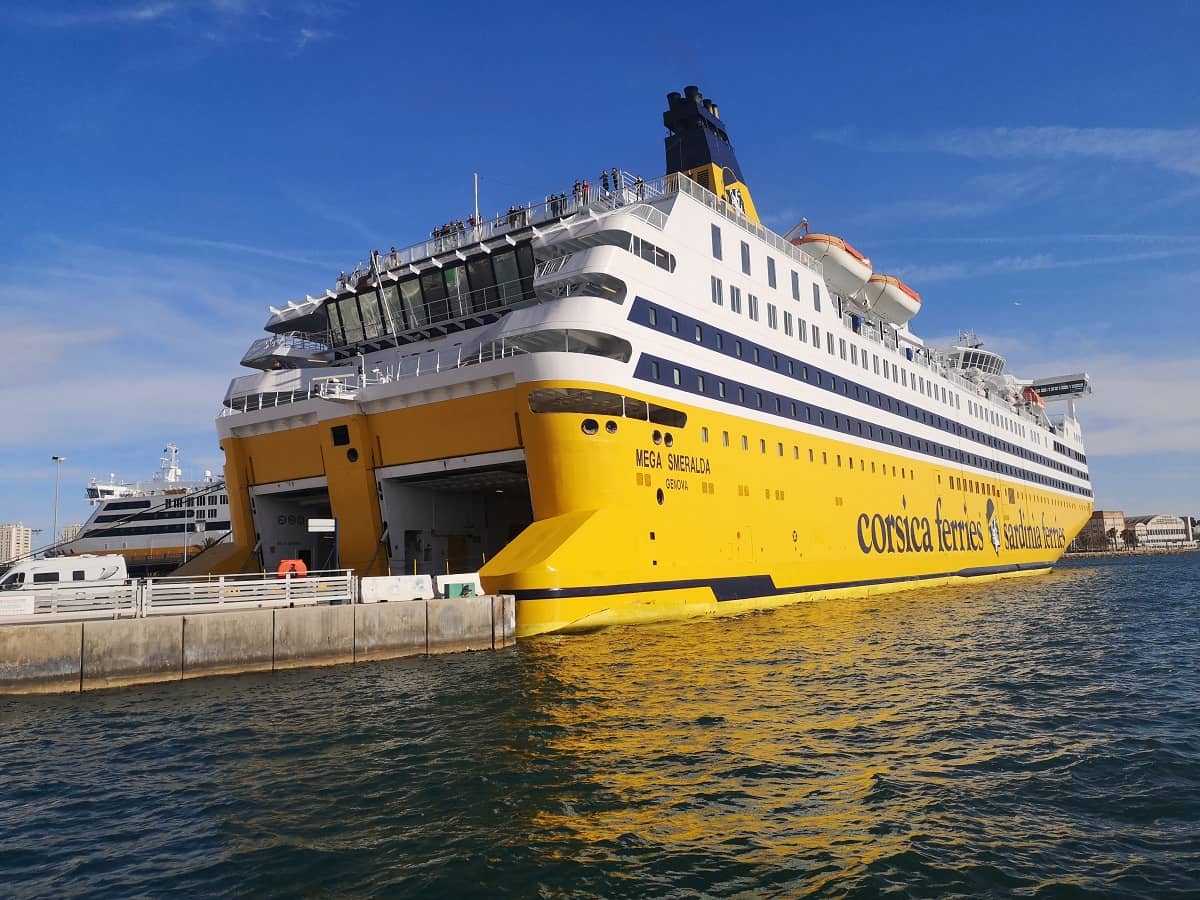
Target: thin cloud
<point>1176,150</point>
<point>137,13</point>
<point>209,244</point>
<point>1033,263</point>
<point>308,36</point>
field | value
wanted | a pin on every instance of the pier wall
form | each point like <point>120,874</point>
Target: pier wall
<point>82,656</point>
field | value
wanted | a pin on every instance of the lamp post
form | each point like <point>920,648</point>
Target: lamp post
<point>58,461</point>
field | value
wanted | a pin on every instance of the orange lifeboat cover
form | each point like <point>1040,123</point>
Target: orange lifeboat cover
<point>829,239</point>
<point>893,280</point>
<point>1032,396</point>
<point>291,567</point>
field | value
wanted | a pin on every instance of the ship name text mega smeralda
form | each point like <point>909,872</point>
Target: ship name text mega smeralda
<point>630,401</point>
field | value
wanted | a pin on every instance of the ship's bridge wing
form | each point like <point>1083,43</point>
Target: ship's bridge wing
<point>1063,387</point>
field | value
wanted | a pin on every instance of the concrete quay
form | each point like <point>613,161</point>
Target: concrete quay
<point>66,657</point>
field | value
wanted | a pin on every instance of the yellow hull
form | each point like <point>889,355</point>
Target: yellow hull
<point>735,515</point>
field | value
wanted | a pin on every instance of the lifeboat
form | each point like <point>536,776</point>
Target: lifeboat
<point>891,299</point>
<point>846,270</point>
<point>1029,395</point>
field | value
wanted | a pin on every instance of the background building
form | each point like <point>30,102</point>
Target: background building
<point>1160,530</point>
<point>1105,530</point>
<point>15,541</point>
<point>70,532</point>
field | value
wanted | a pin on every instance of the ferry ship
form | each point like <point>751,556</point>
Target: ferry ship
<point>156,524</point>
<point>633,402</point>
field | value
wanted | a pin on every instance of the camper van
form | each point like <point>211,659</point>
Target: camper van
<point>65,572</point>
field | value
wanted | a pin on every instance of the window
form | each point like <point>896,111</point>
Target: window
<point>802,332</point>
<point>829,342</point>
<point>853,355</point>
<point>745,258</point>
<point>676,376</point>
<point>652,316</point>
<point>340,435</point>
<point>704,434</point>
<point>795,285</point>
<point>771,271</point>
<point>787,325</point>
<point>44,577</point>
<point>772,316</point>
<point>716,241</point>
<point>842,347</point>
<point>816,337</point>
<point>724,438</point>
<point>654,370</point>
<point>816,297</point>
<point>752,306</point>
<point>718,291</point>
<point>735,299</point>
<point>675,325</point>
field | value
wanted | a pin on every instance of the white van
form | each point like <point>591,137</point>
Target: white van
<point>65,572</point>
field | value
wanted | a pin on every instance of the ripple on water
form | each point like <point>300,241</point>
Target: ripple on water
<point>1035,738</point>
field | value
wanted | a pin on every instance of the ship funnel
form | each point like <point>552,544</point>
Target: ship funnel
<point>698,145</point>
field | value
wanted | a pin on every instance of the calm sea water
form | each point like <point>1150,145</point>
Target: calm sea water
<point>1034,738</point>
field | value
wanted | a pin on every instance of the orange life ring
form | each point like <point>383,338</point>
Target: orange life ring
<point>292,567</point>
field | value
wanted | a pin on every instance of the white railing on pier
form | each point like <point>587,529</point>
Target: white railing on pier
<point>160,596</point>
<point>187,595</point>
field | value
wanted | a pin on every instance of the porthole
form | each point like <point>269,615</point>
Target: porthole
<point>610,426</point>
<point>657,437</point>
<point>590,426</point>
<point>352,455</point>
<point>669,440</point>
<point>660,497</point>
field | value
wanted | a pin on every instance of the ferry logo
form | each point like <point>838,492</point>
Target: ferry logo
<point>993,526</point>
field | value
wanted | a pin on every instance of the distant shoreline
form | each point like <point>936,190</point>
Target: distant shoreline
<point>1140,551</point>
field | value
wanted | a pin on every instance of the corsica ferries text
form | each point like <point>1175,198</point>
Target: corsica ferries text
<point>675,462</point>
<point>917,534</point>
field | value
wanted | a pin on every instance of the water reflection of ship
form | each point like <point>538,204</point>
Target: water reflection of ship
<point>814,735</point>
<point>156,524</point>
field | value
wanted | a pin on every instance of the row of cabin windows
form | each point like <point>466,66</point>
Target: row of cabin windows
<point>898,471</point>
<point>485,282</point>
<point>956,482</point>
<point>180,502</point>
<point>770,402</point>
<point>850,352</point>
<point>772,279</point>
<point>899,375</point>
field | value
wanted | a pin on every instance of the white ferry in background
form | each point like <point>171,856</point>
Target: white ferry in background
<point>155,524</point>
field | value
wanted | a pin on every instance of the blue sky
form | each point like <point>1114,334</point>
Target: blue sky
<point>173,166</point>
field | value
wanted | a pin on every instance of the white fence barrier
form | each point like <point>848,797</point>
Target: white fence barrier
<point>162,596</point>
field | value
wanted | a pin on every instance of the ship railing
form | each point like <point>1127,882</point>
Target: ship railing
<point>629,191</point>
<point>684,185</point>
<point>935,362</point>
<point>293,340</point>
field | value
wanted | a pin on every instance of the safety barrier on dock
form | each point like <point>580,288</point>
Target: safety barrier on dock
<point>155,633</point>
<point>160,596</point>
